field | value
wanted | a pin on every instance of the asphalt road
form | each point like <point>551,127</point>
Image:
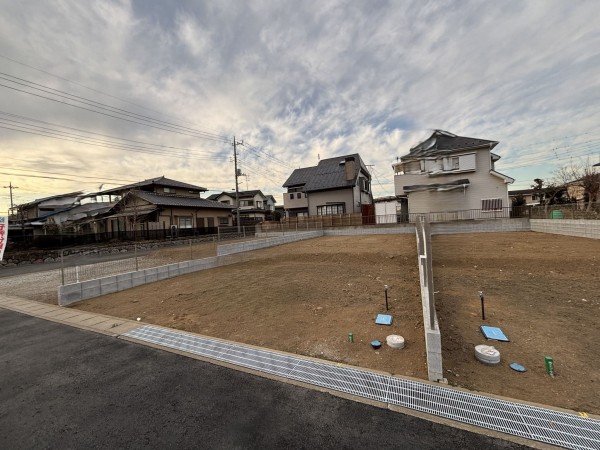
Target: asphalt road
<point>61,387</point>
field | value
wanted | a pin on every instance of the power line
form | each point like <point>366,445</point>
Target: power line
<point>113,116</point>
<point>118,147</point>
<point>268,156</point>
<point>95,104</point>
<point>86,131</point>
<point>92,89</point>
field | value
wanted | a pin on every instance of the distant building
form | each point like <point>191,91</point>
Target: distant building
<point>339,185</point>
<point>447,172</point>
<point>254,205</point>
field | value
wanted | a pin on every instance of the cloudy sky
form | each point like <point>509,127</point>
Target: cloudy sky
<point>111,92</point>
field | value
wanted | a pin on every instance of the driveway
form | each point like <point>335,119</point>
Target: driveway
<point>61,387</point>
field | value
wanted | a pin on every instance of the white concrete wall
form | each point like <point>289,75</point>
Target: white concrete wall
<point>480,226</point>
<point>580,228</point>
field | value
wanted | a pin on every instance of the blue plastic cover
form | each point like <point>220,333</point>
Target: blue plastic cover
<point>383,319</point>
<point>493,333</point>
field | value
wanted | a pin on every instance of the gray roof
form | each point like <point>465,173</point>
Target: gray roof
<point>241,194</point>
<point>174,200</point>
<point>40,200</point>
<point>442,142</point>
<point>160,181</point>
<point>328,174</point>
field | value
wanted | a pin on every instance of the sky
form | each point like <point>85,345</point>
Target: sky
<point>103,93</point>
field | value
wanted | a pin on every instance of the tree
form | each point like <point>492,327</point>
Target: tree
<point>587,178</point>
<point>519,200</point>
<point>538,187</point>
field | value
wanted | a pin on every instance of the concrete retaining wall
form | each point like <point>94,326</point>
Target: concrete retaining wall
<point>401,229</point>
<point>76,292</point>
<point>433,337</point>
<point>481,226</point>
<point>579,228</point>
<point>230,249</point>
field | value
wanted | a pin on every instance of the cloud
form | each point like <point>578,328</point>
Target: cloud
<point>299,81</point>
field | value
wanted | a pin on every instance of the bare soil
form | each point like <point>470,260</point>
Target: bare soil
<point>542,290</point>
<point>301,298</point>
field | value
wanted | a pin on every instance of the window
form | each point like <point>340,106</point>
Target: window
<point>299,195</point>
<point>259,205</point>
<point>291,196</point>
<point>326,210</point>
<point>168,190</point>
<point>246,202</point>
<point>223,220</point>
<point>185,222</point>
<point>491,204</point>
<point>365,185</point>
<point>226,202</point>
<point>454,163</point>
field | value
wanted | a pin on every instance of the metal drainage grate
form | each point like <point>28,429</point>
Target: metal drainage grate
<point>540,424</point>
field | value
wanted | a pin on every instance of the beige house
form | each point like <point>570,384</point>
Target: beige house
<point>340,185</point>
<point>165,205</point>
<point>450,173</point>
<point>254,205</point>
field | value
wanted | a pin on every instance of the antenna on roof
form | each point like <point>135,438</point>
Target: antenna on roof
<point>318,157</point>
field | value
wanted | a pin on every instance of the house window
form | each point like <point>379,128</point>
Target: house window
<point>365,185</point>
<point>299,195</point>
<point>223,221</point>
<point>326,210</point>
<point>246,202</point>
<point>291,196</point>
<point>491,204</point>
<point>226,202</point>
<point>168,190</point>
<point>454,163</point>
<point>259,205</point>
<point>185,222</point>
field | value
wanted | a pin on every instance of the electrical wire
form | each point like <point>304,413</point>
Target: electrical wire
<point>86,131</point>
<point>95,104</point>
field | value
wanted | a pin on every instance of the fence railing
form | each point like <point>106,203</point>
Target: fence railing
<point>21,238</point>
<point>578,210</point>
<point>145,254</point>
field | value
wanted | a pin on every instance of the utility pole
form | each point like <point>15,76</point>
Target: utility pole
<point>11,187</point>
<point>237,174</point>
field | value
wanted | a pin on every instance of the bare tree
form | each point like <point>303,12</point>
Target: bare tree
<point>585,176</point>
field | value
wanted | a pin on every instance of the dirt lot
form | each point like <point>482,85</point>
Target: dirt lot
<point>302,298</point>
<point>541,289</point>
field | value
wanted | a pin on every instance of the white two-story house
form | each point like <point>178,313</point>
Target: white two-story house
<point>450,173</point>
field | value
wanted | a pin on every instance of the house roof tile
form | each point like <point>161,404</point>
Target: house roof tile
<point>442,142</point>
<point>328,174</point>
<point>160,181</point>
<point>173,200</point>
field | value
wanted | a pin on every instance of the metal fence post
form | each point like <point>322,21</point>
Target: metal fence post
<point>135,255</point>
<point>191,254</point>
<point>62,268</point>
